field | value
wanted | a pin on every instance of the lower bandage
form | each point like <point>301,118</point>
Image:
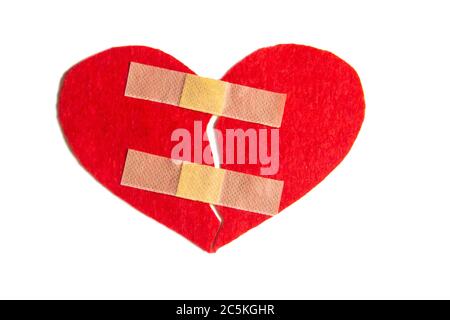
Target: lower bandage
<point>202,183</point>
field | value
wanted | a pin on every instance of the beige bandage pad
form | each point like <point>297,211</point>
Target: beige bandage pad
<point>202,183</point>
<point>205,95</point>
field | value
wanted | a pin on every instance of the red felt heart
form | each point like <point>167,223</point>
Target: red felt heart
<point>323,114</point>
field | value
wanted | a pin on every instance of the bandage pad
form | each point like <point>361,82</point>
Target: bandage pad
<point>202,183</point>
<point>205,95</point>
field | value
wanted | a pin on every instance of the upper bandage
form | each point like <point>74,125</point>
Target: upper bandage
<point>205,95</point>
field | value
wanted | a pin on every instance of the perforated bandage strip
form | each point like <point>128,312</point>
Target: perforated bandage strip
<point>202,183</point>
<point>205,95</point>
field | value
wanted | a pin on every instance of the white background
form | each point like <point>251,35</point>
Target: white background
<point>377,227</point>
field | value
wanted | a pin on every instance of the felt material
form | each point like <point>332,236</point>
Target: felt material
<point>205,95</point>
<point>100,125</point>
<point>201,183</point>
<point>324,111</point>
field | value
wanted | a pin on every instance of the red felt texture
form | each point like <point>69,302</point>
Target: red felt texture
<point>101,124</point>
<point>323,114</point>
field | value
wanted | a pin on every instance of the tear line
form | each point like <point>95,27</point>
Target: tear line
<point>211,134</point>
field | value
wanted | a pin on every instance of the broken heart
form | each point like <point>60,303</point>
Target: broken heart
<point>324,111</point>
